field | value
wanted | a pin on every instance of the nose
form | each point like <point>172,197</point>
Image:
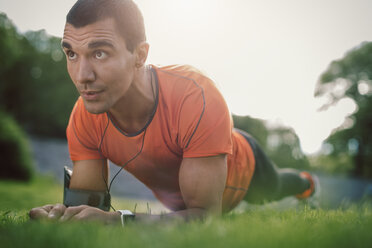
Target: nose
<point>85,73</point>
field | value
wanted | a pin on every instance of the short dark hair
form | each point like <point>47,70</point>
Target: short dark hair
<point>127,16</point>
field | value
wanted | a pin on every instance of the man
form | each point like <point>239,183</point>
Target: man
<point>168,126</point>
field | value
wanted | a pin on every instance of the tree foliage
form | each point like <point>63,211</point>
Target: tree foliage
<point>351,77</point>
<point>281,144</point>
<point>34,85</point>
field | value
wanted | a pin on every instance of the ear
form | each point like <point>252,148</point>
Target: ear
<point>141,52</point>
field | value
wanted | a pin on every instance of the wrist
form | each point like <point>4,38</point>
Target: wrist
<point>113,217</point>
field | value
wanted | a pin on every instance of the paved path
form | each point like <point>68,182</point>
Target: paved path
<point>338,191</point>
<point>51,155</point>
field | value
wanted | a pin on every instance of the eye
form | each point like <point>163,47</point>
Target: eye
<point>100,55</point>
<point>71,55</point>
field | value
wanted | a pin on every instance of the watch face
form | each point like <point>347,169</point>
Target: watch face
<point>127,215</point>
<point>126,212</point>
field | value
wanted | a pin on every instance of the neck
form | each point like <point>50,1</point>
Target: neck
<point>132,112</point>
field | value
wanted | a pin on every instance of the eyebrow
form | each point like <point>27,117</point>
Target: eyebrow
<point>66,45</point>
<point>91,45</point>
<point>101,43</point>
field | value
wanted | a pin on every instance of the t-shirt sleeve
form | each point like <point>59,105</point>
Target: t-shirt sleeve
<point>205,122</point>
<point>81,136</point>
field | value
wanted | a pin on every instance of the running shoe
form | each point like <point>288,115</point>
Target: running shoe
<point>311,196</point>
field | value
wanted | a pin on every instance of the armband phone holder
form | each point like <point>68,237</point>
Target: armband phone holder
<point>76,197</point>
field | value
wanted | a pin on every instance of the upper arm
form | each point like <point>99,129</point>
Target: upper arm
<point>202,182</point>
<point>89,175</point>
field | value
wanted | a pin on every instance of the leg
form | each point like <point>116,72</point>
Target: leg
<point>291,183</point>
<point>270,183</point>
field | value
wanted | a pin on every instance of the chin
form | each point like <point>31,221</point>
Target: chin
<point>94,108</point>
<point>95,112</point>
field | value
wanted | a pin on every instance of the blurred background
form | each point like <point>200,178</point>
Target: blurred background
<point>295,74</point>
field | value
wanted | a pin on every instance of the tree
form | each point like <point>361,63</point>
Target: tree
<point>35,88</point>
<point>283,147</point>
<point>281,144</point>
<point>351,77</point>
<point>255,127</point>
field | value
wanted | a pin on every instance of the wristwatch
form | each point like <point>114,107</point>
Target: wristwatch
<point>126,216</point>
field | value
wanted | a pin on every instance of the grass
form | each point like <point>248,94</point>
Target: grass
<point>347,227</point>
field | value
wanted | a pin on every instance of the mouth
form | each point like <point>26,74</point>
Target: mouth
<point>91,95</point>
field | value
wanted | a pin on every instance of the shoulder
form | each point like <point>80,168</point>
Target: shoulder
<point>180,81</point>
<point>84,124</point>
<point>181,73</point>
<point>80,114</point>
<point>184,84</point>
<point>84,132</point>
<point>197,109</point>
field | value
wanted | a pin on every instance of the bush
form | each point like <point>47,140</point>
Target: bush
<point>16,158</point>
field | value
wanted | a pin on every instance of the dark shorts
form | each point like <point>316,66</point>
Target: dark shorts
<point>265,181</point>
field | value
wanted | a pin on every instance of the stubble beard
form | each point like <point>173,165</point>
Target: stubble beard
<point>96,107</point>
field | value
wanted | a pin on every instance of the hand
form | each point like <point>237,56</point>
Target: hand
<point>84,212</point>
<point>80,213</point>
<point>47,212</point>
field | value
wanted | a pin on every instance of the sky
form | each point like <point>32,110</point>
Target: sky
<point>265,56</point>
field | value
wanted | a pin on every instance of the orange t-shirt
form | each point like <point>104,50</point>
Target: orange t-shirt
<point>191,120</point>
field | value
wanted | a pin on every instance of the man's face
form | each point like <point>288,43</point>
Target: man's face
<point>98,63</point>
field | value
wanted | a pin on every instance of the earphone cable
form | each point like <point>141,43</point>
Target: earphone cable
<point>108,187</point>
<point>103,158</point>
<point>130,160</point>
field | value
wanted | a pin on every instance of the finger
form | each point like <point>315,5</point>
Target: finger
<point>90,213</point>
<point>57,211</point>
<point>79,216</point>
<point>48,207</point>
<point>38,213</point>
<point>70,212</point>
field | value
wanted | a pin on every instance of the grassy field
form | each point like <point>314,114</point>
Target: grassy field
<point>347,227</point>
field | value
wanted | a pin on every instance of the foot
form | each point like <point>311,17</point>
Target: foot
<point>310,196</point>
